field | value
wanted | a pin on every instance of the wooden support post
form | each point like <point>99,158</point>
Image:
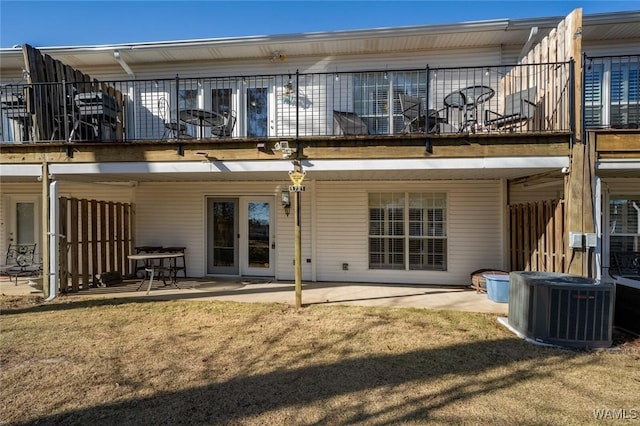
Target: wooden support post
<point>579,213</point>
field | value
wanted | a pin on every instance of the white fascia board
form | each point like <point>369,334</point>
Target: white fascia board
<point>309,165</point>
<point>439,164</point>
<point>168,167</point>
<point>20,170</point>
<point>622,164</point>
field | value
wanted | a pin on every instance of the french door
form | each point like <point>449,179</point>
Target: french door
<point>24,214</point>
<point>240,236</point>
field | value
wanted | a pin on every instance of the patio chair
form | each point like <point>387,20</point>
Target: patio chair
<point>519,107</point>
<point>625,264</point>
<point>172,128</point>
<point>226,128</point>
<point>415,119</point>
<point>348,123</point>
<point>20,261</point>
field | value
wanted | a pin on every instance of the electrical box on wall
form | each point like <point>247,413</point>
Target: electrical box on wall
<point>575,239</point>
<point>591,240</point>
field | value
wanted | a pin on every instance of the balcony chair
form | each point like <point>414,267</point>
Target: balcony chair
<point>519,107</point>
<point>348,123</point>
<point>415,119</point>
<point>226,127</point>
<point>172,128</point>
<point>20,261</point>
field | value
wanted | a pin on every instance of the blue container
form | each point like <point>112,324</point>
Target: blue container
<point>497,287</point>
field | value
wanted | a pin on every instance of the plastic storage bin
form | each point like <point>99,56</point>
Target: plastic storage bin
<point>497,287</point>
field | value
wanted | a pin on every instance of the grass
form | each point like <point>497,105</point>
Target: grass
<point>126,361</point>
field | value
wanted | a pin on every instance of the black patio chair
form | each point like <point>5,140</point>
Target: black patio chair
<point>20,261</point>
<point>225,128</point>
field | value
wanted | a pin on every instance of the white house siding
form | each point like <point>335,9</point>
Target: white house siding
<point>174,214</point>
<point>621,186</point>
<point>610,49</point>
<point>474,228</point>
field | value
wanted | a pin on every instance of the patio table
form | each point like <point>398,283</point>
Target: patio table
<point>202,118</point>
<point>155,266</point>
<point>469,100</point>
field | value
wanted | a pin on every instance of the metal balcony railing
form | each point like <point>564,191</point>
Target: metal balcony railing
<point>611,88</point>
<point>429,101</point>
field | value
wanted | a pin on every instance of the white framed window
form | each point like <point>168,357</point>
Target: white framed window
<point>612,92</point>
<point>375,97</point>
<point>624,223</point>
<point>408,231</point>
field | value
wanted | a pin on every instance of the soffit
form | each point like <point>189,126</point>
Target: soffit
<point>496,33</point>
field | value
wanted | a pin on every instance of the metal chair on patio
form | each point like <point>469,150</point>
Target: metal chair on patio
<point>20,261</point>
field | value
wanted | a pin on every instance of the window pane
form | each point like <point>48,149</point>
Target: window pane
<point>423,232</point>
<point>624,223</point>
<point>371,101</point>
<point>593,95</point>
<point>221,100</point>
<point>188,98</point>
<point>25,217</point>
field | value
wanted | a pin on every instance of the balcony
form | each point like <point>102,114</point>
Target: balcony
<point>429,102</point>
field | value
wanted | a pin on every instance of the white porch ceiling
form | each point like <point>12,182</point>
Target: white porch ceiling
<point>322,170</point>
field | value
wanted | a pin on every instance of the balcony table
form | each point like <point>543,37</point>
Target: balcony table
<point>468,100</point>
<point>202,118</point>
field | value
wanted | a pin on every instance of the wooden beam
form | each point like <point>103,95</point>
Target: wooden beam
<point>617,141</point>
<point>243,150</point>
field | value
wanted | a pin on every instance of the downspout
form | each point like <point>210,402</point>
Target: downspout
<point>597,195</point>
<point>528,44</point>
<point>635,206</point>
<point>132,95</point>
<point>54,238</point>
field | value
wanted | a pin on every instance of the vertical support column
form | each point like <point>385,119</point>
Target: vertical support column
<point>579,213</point>
<point>45,230</point>
<point>297,211</point>
<point>54,243</point>
<point>597,195</point>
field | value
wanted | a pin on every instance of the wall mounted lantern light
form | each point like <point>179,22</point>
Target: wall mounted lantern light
<point>285,198</point>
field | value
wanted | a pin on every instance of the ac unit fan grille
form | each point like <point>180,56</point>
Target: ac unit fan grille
<point>579,315</point>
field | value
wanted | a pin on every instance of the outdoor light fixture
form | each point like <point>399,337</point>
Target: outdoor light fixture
<point>285,198</point>
<point>278,56</point>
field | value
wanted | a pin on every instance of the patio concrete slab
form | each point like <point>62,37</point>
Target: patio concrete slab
<point>264,291</point>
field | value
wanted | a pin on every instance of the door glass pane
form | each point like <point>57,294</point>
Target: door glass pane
<point>223,233</point>
<point>25,213</point>
<point>188,98</point>
<point>257,112</point>
<point>258,217</point>
<point>221,100</point>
